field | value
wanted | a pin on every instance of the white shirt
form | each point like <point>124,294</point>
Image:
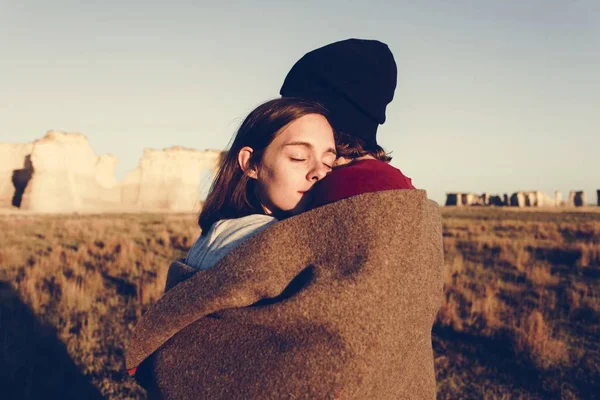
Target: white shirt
<point>223,236</point>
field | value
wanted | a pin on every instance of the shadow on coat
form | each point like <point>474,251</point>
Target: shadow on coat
<point>34,363</point>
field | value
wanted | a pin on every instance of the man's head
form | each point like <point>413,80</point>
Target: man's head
<point>355,80</point>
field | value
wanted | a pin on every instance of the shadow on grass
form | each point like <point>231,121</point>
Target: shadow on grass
<point>34,363</point>
<point>489,364</point>
<point>484,362</point>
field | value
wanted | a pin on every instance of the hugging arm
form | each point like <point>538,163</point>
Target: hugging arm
<point>256,270</point>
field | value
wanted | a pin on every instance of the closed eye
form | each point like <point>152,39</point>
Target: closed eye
<point>298,159</point>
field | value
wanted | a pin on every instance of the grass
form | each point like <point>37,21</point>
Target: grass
<point>521,305</point>
<point>520,317</point>
<point>87,279</point>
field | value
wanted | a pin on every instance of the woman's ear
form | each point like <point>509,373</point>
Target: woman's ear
<point>244,157</point>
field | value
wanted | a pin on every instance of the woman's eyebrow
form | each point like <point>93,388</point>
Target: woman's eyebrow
<point>310,146</point>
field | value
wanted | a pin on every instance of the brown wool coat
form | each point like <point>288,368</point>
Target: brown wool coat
<point>337,302</point>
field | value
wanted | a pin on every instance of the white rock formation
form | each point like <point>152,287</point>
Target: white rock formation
<point>61,173</point>
<point>517,199</point>
<point>168,179</point>
<point>68,176</point>
<point>472,199</point>
<point>532,199</point>
<point>557,198</point>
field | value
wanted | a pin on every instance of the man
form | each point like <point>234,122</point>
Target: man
<point>355,80</point>
<point>338,302</point>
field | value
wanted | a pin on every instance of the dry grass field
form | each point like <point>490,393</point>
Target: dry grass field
<point>521,315</point>
<point>520,318</point>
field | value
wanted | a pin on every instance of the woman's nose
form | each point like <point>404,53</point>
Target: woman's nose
<point>318,172</point>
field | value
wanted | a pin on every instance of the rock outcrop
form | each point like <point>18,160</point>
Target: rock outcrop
<point>517,199</point>
<point>472,199</point>
<point>533,199</point>
<point>576,198</point>
<point>557,198</point>
<point>66,175</point>
<point>168,179</point>
<point>454,199</point>
<point>15,172</point>
<point>61,173</point>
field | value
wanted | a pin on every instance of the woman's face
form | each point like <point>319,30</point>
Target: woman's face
<point>301,154</point>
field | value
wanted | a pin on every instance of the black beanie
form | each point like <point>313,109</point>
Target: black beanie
<point>354,79</point>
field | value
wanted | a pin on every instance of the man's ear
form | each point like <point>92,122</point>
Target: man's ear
<point>244,157</point>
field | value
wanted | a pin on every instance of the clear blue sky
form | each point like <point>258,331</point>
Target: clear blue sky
<point>493,96</point>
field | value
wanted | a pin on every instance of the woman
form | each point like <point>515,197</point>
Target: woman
<point>280,151</point>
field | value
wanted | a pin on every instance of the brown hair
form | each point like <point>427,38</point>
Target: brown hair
<point>232,193</point>
<point>349,146</point>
